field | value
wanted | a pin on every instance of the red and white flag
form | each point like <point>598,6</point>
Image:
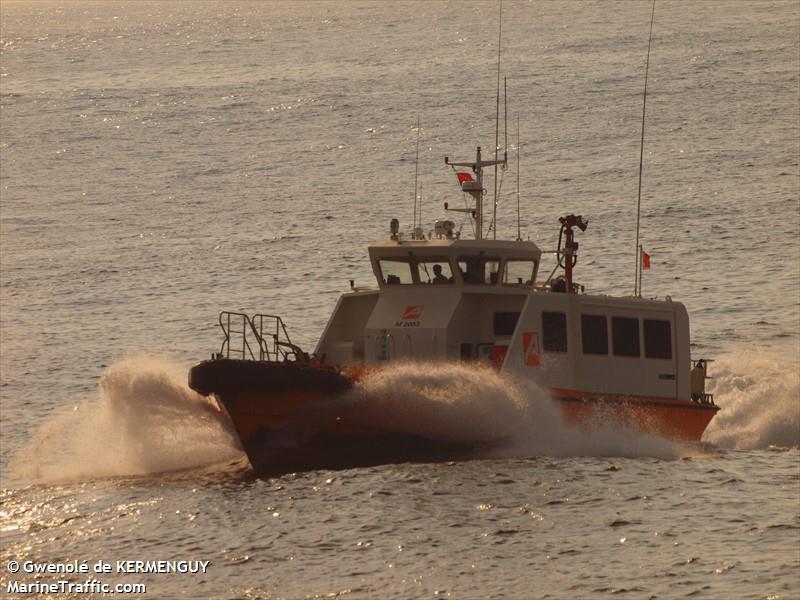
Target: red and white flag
<point>462,177</point>
<point>645,260</point>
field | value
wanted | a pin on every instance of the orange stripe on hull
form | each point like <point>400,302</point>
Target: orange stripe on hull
<point>665,417</point>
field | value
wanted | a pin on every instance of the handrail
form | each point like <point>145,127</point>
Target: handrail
<point>275,346</point>
<point>282,347</point>
<point>226,320</point>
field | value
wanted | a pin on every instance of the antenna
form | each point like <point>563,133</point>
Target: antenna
<point>416,173</point>
<point>420,211</point>
<point>637,277</point>
<point>519,236</point>
<point>497,117</point>
<point>505,116</point>
<point>505,135</point>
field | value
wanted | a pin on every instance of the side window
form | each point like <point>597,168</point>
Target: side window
<point>479,270</point>
<point>505,322</point>
<point>594,334</point>
<point>554,332</point>
<point>625,336</point>
<point>434,271</point>
<point>395,272</point>
<point>518,272</point>
<point>657,339</point>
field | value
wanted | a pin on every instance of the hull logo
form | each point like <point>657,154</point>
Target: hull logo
<point>530,348</point>
<point>412,312</point>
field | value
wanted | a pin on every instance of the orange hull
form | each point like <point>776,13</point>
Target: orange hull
<point>280,435</point>
<point>665,417</point>
<point>289,417</point>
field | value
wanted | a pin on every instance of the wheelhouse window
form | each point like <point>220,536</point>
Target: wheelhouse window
<point>554,331</point>
<point>594,334</point>
<point>505,323</point>
<point>479,270</point>
<point>395,272</point>
<point>657,339</point>
<point>518,272</point>
<point>625,336</point>
<point>435,271</point>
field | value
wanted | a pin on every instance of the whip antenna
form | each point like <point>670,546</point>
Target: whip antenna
<point>497,117</point>
<point>505,117</point>
<point>519,235</point>
<point>416,172</point>
<point>637,277</point>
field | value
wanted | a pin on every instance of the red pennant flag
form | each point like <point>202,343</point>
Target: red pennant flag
<point>462,177</point>
<point>645,260</point>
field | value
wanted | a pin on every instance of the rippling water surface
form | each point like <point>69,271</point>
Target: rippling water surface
<point>162,161</point>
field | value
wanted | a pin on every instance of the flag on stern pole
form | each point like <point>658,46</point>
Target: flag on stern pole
<point>645,260</point>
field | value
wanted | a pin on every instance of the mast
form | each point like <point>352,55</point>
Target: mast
<point>636,279</point>
<point>474,188</point>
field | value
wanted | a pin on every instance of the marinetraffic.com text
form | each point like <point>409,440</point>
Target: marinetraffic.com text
<point>63,580</point>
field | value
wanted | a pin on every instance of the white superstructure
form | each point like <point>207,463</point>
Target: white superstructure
<point>479,300</point>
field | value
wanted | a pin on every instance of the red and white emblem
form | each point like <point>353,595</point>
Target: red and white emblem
<point>530,348</point>
<point>412,312</point>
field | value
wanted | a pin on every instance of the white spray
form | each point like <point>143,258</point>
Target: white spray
<point>759,396</point>
<point>472,403</point>
<point>144,420</point>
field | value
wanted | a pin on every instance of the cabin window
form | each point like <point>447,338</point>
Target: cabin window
<point>518,272</point>
<point>594,334</point>
<point>657,339</point>
<point>505,323</point>
<point>479,270</point>
<point>554,332</point>
<point>435,270</point>
<point>466,351</point>
<point>625,336</point>
<point>394,272</point>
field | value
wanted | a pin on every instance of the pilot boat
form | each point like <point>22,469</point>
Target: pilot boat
<point>623,360</point>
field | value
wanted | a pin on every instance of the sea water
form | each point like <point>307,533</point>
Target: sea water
<point>160,162</point>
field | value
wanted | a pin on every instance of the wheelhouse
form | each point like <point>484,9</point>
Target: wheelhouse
<point>455,262</point>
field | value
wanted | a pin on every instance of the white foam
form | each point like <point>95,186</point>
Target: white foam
<point>758,392</point>
<point>472,403</point>
<point>144,420</point>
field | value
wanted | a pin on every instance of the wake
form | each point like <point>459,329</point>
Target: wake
<point>145,420</point>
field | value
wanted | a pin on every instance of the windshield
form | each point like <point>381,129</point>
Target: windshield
<point>435,271</point>
<point>518,272</point>
<point>479,270</point>
<point>395,272</point>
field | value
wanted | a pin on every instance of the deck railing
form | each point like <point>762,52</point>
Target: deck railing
<point>260,337</point>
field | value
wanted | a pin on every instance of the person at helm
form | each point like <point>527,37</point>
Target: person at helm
<point>438,277</point>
